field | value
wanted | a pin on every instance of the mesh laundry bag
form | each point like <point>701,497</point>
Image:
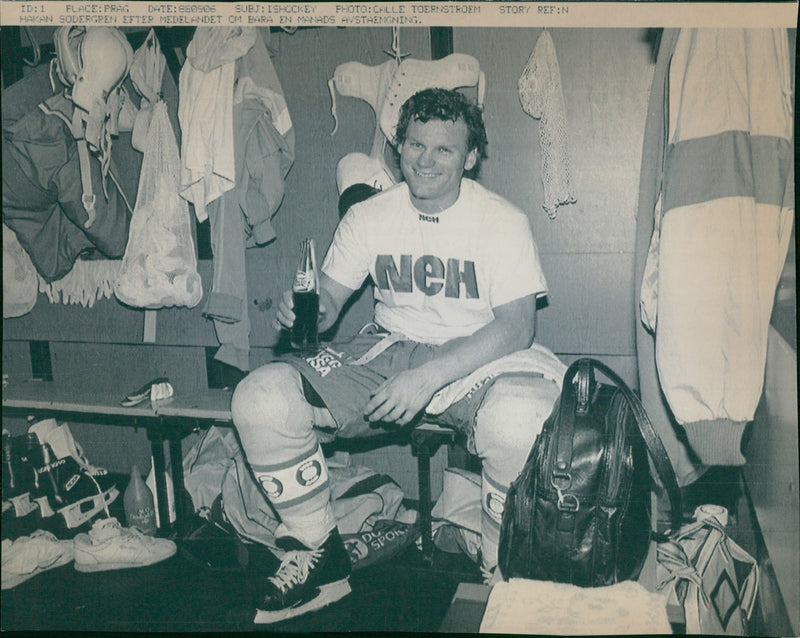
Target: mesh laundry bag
<point>159,268</point>
<point>20,285</point>
<point>542,98</point>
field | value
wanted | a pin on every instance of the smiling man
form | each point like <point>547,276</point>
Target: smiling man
<point>456,275</point>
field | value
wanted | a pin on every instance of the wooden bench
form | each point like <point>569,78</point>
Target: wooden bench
<point>172,420</point>
<point>167,422</point>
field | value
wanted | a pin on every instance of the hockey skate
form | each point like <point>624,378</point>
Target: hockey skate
<point>20,512</point>
<point>66,483</point>
<point>306,580</point>
<point>19,477</point>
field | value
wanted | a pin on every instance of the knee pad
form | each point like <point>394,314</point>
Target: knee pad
<point>509,420</point>
<point>270,400</point>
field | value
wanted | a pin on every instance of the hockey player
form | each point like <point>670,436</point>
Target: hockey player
<point>456,275</point>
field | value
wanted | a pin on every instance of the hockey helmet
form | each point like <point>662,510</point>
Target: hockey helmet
<point>93,60</point>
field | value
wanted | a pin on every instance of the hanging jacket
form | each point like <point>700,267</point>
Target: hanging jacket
<point>685,463</point>
<point>263,145</point>
<point>42,183</point>
<point>721,230</point>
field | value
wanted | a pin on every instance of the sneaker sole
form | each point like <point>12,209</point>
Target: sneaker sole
<point>328,594</point>
<point>101,567</point>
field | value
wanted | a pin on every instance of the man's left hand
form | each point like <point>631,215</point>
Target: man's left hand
<point>400,398</point>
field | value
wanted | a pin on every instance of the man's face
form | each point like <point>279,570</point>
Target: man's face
<point>433,159</point>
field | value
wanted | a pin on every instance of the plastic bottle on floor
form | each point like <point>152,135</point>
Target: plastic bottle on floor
<point>140,511</point>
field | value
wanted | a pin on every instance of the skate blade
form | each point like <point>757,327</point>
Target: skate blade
<point>44,507</point>
<point>75,515</point>
<point>23,505</point>
<point>328,594</point>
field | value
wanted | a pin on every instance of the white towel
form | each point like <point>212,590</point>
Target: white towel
<point>537,607</point>
<point>537,358</point>
<point>205,113</point>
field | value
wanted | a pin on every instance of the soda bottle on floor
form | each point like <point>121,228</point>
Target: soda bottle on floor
<point>305,296</point>
<point>140,511</point>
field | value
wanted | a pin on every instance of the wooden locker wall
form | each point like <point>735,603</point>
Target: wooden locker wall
<point>587,250</point>
<point>103,345</point>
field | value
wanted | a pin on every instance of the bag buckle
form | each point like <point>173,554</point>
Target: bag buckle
<point>566,502</point>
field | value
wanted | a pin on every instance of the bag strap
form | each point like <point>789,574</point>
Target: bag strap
<point>583,368</point>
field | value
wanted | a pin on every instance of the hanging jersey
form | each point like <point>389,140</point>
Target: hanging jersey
<point>437,277</point>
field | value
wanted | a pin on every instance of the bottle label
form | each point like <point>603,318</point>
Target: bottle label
<point>142,518</point>
<point>303,282</point>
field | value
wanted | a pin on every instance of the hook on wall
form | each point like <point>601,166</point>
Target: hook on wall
<point>37,52</point>
<point>395,52</point>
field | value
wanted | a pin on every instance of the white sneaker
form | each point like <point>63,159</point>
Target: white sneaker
<point>108,545</point>
<point>30,555</point>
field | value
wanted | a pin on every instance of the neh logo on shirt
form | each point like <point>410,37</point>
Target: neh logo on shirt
<point>429,274</point>
<point>428,218</point>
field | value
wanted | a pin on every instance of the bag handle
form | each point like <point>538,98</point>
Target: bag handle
<point>570,400</point>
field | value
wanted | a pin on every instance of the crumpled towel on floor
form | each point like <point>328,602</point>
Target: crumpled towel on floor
<point>28,556</point>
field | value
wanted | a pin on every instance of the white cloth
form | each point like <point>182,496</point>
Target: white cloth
<point>20,288</point>
<point>437,277</point>
<point>147,68</point>
<point>205,113</point>
<point>522,606</point>
<point>537,359</point>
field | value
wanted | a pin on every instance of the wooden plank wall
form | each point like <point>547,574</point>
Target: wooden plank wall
<point>103,344</point>
<point>587,252</point>
<point>772,473</point>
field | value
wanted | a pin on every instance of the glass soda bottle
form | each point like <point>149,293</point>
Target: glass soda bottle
<point>140,511</point>
<point>305,296</point>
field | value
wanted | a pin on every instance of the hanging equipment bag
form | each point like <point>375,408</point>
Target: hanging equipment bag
<point>579,512</point>
<point>159,268</point>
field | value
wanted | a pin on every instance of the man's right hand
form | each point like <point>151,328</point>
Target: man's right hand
<point>284,318</point>
<point>332,296</point>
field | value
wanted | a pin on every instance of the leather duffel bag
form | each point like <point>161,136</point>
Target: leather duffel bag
<point>579,512</point>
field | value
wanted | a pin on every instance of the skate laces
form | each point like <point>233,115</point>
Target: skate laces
<point>105,528</point>
<point>79,455</point>
<point>126,536</point>
<point>294,568</point>
<point>100,491</point>
<point>132,537</point>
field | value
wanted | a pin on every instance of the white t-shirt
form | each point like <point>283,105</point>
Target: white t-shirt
<point>437,277</point>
